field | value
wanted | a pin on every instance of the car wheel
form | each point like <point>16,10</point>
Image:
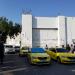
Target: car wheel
<point>20,55</point>
<point>30,61</point>
<point>58,60</point>
<point>50,61</point>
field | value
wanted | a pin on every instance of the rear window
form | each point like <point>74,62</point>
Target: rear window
<point>51,48</point>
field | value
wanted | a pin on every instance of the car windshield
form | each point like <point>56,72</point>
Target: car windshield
<point>37,50</point>
<point>51,48</point>
<point>9,46</point>
<point>17,47</point>
<point>61,50</point>
<point>25,48</point>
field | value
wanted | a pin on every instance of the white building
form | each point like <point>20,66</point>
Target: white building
<point>53,31</point>
<point>15,41</point>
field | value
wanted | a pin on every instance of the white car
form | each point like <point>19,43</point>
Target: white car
<point>9,49</point>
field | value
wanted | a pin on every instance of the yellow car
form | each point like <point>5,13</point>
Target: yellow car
<point>61,55</point>
<point>23,51</point>
<point>38,56</point>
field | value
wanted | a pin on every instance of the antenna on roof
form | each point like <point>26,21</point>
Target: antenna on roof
<point>26,11</point>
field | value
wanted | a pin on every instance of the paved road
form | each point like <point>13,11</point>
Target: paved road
<point>15,65</point>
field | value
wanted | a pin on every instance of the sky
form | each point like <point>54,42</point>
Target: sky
<point>12,9</point>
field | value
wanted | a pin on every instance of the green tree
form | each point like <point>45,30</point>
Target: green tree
<point>17,29</point>
<point>8,28</point>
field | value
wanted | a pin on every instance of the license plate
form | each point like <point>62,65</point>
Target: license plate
<point>42,60</point>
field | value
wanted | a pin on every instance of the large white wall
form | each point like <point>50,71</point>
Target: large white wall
<point>45,22</point>
<point>26,35</point>
<point>71,29</point>
<point>61,31</point>
<point>41,37</point>
<point>46,31</point>
<point>53,31</point>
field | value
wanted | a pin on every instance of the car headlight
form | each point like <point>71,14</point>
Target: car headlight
<point>34,57</point>
<point>48,57</point>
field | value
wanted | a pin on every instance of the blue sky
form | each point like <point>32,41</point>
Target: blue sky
<point>12,9</point>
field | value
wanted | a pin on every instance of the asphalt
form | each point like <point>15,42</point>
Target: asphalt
<point>15,65</point>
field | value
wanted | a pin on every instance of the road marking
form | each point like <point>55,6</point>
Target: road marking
<point>4,67</point>
<point>8,67</point>
<point>73,70</point>
<point>8,62</point>
<point>19,69</point>
<point>11,54</point>
<point>13,66</point>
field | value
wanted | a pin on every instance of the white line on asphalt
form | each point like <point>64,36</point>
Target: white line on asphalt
<point>11,54</point>
<point>4,67</point>
<point>19,69</point>
<point>8,62</point>
<point>73,70</point>
<point>8,67</point>
<point>13,66</point>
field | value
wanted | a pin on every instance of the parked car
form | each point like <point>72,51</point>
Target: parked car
<point>61,55</point>
<point>9,49</point>
<point>23,51</point>
<point>17,48</point>
<point>38,56</point>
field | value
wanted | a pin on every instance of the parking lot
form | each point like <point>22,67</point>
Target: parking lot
<point>15,65</point>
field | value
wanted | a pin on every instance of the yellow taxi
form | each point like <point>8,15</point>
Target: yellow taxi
<point>38,56</point>
<point>61,55</point>
<point>23,51</point>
